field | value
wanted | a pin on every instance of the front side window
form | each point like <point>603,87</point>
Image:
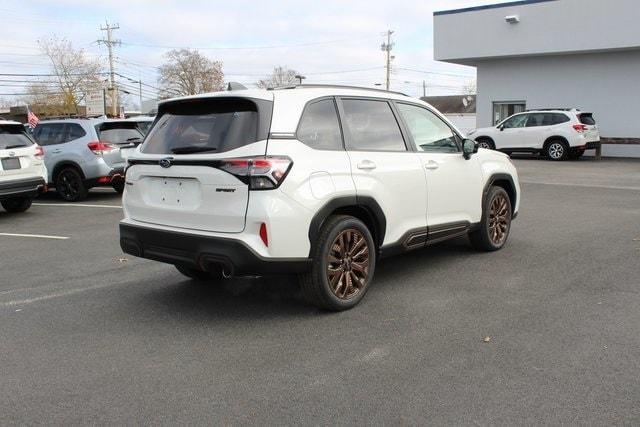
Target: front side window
<point>428,131</point>
<point>515,121</point>
<point>13,136</point>
<point>371,126</point>
<point>319,126</point>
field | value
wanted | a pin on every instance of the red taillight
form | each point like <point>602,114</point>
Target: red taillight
<point>261,173</point>
<point>39,152</point>
<point>580,128</point>
<point>99,147</point>
<point>263,234</point>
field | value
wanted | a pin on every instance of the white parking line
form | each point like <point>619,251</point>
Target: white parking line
<point>62,293</point>
<point>78,205</point>
<point>39,236</point>
<point>572,184</point>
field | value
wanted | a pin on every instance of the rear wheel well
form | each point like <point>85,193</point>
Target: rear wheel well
<point>364,208</point>
<point>364,215</point>
<point>66,165</point>
<point>554,138</point>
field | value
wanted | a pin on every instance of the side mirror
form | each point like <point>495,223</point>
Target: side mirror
<point>468,148</point>
<point>501,127</point>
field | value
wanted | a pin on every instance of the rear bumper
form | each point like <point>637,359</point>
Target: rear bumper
<point>592,145</point>
<point>29,187</point>
<point>114,176</point>
<point>204,252</point>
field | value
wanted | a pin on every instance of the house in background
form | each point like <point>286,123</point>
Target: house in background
<point>552,54</point>
<point>459,109</point>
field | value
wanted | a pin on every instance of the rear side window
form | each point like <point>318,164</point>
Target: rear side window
<point>74,131</point>
<point>551,119</point>
<point>50,134</point>
<point>587,119</point>
<point>211,125</point>
<point>371,126</point>
<point>13,136</point>
<point>319,126</point>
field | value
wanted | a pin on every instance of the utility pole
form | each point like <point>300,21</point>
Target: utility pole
<point>424,88</point>
<point>110,42</point>
<point>387,47</point>
<point>140,92</point>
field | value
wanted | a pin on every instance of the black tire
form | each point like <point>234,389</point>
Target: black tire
<point>70,186</point>
<point>486,143</point>
<point>557,150</point>
<point>199,275</point>
<point>483,238</point>
<point>118,186</point>
<point>351,268</point>
<point>16,204</point>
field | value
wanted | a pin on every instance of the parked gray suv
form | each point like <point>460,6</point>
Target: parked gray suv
<point>84,153</point>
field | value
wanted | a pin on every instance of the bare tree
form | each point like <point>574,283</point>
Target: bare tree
<point>470,88</point>
<point>281,76</point>
<point>73,75</point>
<point>187,72</point>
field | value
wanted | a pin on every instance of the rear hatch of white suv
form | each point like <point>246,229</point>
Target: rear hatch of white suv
<point>17,153</point>
<point>190,172</point>
<point>589,126</point>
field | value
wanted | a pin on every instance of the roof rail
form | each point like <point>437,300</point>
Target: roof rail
<point>553,109</point>
<point>312,86</point>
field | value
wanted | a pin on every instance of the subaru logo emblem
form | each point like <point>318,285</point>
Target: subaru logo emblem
<point>12,153</point>
<point>165,163</point>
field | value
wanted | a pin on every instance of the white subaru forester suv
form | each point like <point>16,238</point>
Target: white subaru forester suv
<point>22,171</point>
<point>319,181</point>
<point>556,134</point>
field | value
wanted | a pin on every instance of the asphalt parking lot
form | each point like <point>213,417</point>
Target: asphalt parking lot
<point>89,335</point>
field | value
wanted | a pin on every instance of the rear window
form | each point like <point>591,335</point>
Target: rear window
<point>13,136</point>
<point>209,125</point>
<point>119,133</point>
<point>587,119</point>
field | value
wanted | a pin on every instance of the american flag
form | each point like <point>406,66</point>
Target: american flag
<point>32,119</point>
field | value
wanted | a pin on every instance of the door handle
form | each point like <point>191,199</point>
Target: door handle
<point>57,151</point>
<point>431,165</point>
<point>366,165</point>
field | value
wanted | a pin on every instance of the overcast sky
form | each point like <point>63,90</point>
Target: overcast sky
<point>329,41</point>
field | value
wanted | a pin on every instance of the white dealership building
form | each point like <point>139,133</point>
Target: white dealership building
<point>552,54</point>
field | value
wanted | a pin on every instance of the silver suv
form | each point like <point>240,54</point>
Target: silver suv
<point>84,153</point>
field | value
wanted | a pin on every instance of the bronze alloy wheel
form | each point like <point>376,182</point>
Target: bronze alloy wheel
<point>348,264</point>
<point>499,219</point>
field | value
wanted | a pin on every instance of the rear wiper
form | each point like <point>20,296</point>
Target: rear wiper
<point>14,146</point>
<point>188,150</point>
<point>135,138</point>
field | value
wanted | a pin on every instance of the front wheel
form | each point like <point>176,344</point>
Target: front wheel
<point>486,143</point>
<point>344,260</point>
<point>495,223</point>
<point>16,204</point>
<point>118,186</point>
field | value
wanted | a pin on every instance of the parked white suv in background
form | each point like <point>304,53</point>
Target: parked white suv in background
<point>315,180</point>
<point>22,171</point>
<point>558,134</point>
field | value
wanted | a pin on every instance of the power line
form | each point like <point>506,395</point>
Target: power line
<point>280,46</point>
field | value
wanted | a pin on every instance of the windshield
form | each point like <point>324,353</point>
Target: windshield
<point>13,136</point>
<point>212,125</point>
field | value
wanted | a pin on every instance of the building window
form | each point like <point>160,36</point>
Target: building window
<point>502,110</point>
